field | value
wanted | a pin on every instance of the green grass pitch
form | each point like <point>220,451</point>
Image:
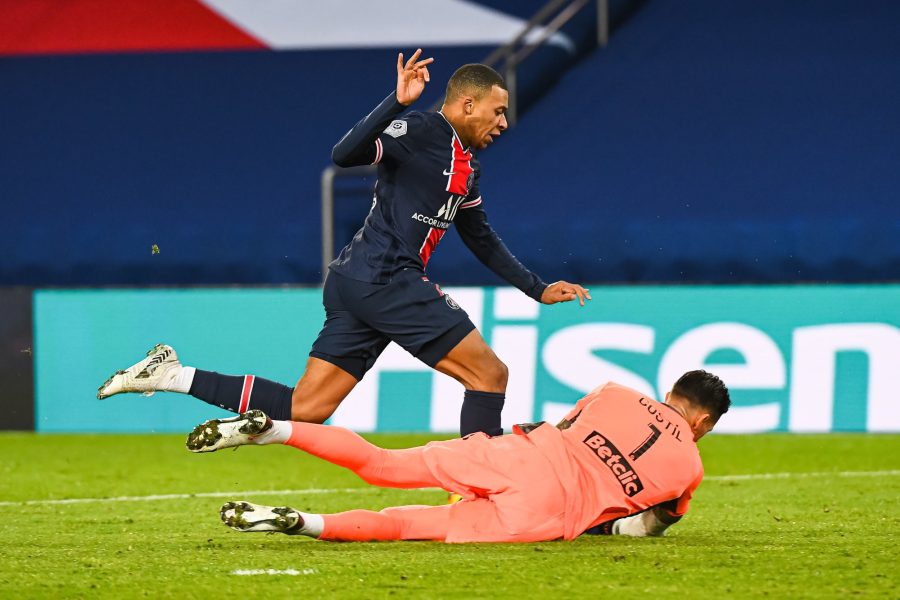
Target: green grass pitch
<point>820,517</point>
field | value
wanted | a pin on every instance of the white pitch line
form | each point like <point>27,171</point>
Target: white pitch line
<point>318,491</point>
<point>308,491</point>
<point>275,572</point>
<point>761,476</point>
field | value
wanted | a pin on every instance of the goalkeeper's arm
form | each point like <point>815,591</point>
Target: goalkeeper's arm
<point>652,522</point>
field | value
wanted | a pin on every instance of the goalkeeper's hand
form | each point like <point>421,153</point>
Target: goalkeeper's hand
<point>652,522</point>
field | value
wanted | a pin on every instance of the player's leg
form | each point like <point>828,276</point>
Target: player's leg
<point>396,523</point>
<point>161,371</point>
<point>387,468</point>
<point>480,520</point>
<point>430,325</point>
<point>345,349</point>
<point>484,376</point>
<point>404,468</point>
<point>320,390</point>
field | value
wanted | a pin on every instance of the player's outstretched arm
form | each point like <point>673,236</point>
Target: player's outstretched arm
<point>486,245</point>
<point>358,146</point>
<point>483,241</point>
<point>563,291</point>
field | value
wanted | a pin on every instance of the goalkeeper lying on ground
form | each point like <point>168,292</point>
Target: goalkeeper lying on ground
<point>619,462</point>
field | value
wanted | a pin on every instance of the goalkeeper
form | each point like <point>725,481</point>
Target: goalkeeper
<point>619,462</point>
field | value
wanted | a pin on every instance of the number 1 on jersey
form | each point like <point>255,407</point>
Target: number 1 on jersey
<point>645,445</point>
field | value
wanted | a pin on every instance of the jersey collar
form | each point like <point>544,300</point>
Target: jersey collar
<point>456,135</point>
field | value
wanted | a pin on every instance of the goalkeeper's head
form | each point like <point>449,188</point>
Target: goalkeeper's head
<point>702,398</point>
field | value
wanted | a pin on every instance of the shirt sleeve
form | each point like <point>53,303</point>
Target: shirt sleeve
<point>375,137</point>
<point>486,245</point>
<point>678,508</point>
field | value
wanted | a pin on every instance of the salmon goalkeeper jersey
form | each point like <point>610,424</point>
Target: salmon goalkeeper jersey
<point>622,454</point>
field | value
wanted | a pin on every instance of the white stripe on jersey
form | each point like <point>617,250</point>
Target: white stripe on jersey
<point>471,203</point>
<point>455,208</point>
<point>378,151</point>
<point>449,172</point>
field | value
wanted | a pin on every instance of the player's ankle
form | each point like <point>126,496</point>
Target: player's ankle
<point>278,433</point>
<point>182,381</point>
<point>313,524</point>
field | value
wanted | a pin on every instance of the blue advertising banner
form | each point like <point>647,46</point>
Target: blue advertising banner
<point>796,358</point>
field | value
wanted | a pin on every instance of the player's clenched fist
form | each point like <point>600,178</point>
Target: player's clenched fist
<point>563,291</point>
<point>412,77</point>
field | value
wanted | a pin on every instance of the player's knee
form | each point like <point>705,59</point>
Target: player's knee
<point>502,375</point>
<point>308,412</point>
<point>371,470</point>
<point>493,376</point>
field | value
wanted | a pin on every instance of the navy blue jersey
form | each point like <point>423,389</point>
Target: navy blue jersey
<point>427,180</point>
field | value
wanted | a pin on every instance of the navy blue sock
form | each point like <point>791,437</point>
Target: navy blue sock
<point>481,412</point>
<point>241,393</point>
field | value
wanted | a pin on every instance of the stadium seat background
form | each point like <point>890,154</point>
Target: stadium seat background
<point>716,141</point>
<point>659,158</point>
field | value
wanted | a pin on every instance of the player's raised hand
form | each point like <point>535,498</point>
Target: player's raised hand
<point>412,77</point>
<point>563,291</point>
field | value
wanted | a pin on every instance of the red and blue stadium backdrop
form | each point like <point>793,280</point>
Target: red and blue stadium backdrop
<point>748,142</point>
<point>739,142</point>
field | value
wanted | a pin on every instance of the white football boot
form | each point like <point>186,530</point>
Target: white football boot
<point>228,433</point>
<point>244,516</point>
<point>153,374</point>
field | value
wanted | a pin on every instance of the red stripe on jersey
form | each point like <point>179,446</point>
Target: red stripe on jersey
<point>471,203</point>
<point>430,243</point>
<point>245,393</point>
<point>460,169</point>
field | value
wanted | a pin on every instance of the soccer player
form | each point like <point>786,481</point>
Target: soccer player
<point>376,290</point>
<point>619,460</point>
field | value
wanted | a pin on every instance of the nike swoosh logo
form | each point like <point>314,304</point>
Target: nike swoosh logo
<point>448,173</point>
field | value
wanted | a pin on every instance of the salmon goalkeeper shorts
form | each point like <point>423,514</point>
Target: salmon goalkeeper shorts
<point>510,489</point>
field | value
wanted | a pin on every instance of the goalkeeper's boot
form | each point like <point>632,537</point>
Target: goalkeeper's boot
<point>244,516</point>
<point>227,433</point>
<point>153,374</point>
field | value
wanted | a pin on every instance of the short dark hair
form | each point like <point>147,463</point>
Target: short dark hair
<point>704,389</point>
<point>473,79</point>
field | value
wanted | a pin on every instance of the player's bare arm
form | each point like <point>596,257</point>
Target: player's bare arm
<point>563,291</point>
<point>412,77</point>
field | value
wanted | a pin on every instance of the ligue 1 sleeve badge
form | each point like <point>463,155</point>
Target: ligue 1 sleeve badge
<point>451,302</point>
<point>396,129</point>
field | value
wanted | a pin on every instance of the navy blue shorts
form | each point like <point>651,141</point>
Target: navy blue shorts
<point>361,318</point>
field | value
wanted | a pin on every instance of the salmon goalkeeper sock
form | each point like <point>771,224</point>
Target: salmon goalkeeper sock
<point>481,412</point>
<point>241,393</point>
